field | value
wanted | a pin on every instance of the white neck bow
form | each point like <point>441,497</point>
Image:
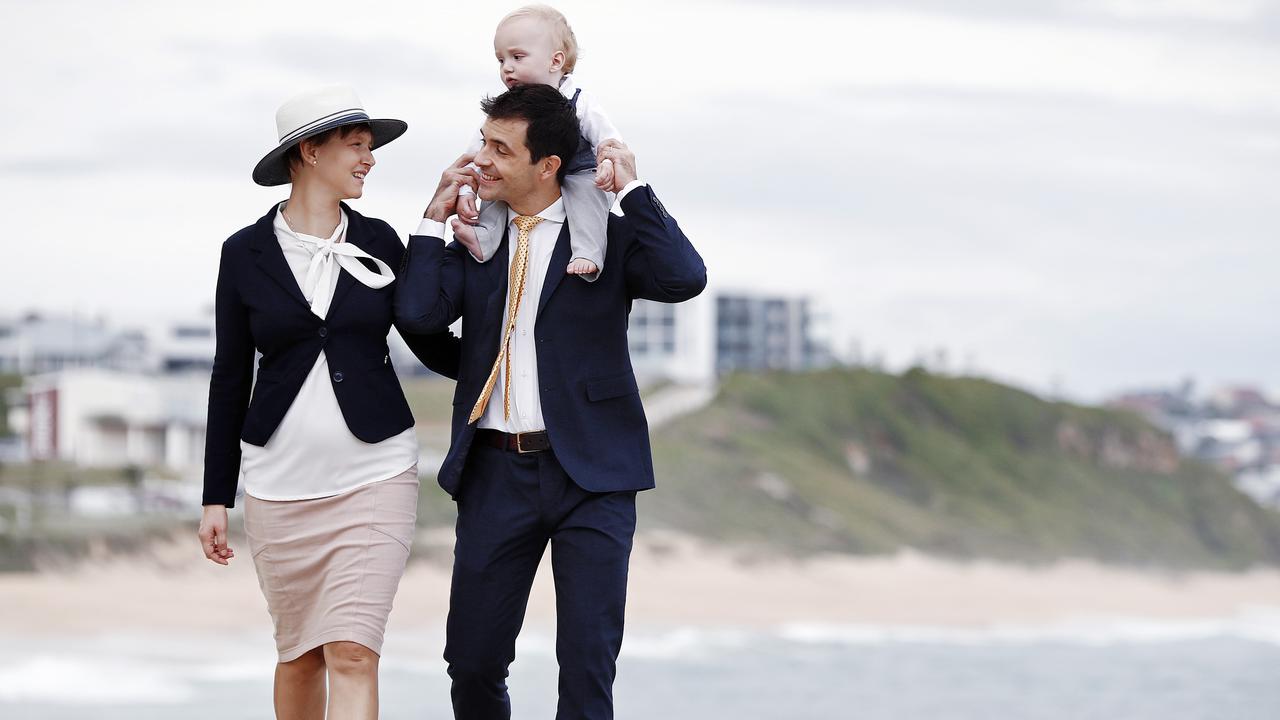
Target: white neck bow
<point>325,252</point>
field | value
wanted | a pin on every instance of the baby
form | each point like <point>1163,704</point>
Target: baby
<point>536,45</point>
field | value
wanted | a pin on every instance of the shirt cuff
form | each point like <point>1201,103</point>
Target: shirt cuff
<point>617,203</point>
<point>431,228</point>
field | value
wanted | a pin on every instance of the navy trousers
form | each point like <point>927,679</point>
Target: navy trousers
<point>510,506</point>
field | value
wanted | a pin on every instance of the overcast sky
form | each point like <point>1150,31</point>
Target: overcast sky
<point>1080,193</point>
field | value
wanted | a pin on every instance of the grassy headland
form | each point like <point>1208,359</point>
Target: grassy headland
<point>866,462</point>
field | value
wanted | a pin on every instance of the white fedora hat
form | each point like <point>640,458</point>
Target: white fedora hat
<point>312,113</point>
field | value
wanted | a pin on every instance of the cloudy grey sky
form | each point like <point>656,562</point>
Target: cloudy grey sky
<point>1073,192</point>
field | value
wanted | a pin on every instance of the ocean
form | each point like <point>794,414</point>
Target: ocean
<point>1117,669</point>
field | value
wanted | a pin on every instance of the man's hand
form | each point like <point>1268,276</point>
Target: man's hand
<point>622,159</point>
<point>454,177</point>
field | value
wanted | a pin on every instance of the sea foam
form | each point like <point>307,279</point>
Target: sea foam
<point>1259,624</point>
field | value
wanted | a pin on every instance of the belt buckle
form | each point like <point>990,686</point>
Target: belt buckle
<point>520,445</point>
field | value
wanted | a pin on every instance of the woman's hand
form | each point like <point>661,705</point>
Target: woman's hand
<point>213,534</point>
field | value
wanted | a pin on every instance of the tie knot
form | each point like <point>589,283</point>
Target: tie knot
<point>527,222</point>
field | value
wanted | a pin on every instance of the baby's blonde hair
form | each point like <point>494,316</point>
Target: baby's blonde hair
<point>561,33</point>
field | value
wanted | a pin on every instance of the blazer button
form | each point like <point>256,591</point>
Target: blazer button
<point>337,377</point>
<point>324,332</point>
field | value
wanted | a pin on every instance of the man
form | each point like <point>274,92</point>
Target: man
<point>549,437</point>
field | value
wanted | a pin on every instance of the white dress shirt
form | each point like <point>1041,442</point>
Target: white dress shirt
<point>526,403</point>
<point>312,453</point>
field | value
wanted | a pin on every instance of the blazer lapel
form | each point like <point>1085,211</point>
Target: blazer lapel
<point>498,274</point>
<point>358,235</point>
<point>271,258</point>
<point>555,273</point>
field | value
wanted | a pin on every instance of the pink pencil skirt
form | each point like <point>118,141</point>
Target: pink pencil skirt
<point>330,567</point>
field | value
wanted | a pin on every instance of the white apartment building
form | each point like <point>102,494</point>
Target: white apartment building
<point>104,418</point>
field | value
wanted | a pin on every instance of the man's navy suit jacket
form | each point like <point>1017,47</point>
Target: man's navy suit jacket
<point>259,306</point>
<point>590,401</point>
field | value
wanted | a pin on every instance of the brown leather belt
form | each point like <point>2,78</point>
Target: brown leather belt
<point>527,442</point>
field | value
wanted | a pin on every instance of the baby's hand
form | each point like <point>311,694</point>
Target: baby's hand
<point>604,176</point>
<point>467,209</point>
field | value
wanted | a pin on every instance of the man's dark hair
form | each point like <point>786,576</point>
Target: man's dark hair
<point>553,123</point>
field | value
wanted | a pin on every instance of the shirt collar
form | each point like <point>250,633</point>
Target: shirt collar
<point>552,213</point>
<point>567,86</point>
<point>282,226</point>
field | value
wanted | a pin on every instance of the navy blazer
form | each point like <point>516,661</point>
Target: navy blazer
<point>590,400</point>
<point>260,306</point>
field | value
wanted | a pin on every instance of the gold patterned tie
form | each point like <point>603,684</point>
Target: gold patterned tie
<point>515,291</point>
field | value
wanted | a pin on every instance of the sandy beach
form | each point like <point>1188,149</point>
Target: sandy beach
<point>675,581</point>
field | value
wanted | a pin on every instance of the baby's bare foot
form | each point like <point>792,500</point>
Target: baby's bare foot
<point>466,235</point>
<point>581,266</point>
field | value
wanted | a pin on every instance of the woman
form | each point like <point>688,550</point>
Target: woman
<point>325,444</point>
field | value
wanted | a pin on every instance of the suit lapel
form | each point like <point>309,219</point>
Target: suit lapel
<point>271,258</point>
<point>358,234</point>
<point>555,273</point>
<point>498,274</point>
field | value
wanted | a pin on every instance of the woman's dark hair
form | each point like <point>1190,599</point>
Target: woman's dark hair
<point>553,123</point>
<point>293,156</point>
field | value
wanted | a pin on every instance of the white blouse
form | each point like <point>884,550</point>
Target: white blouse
<point>313,453</point>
